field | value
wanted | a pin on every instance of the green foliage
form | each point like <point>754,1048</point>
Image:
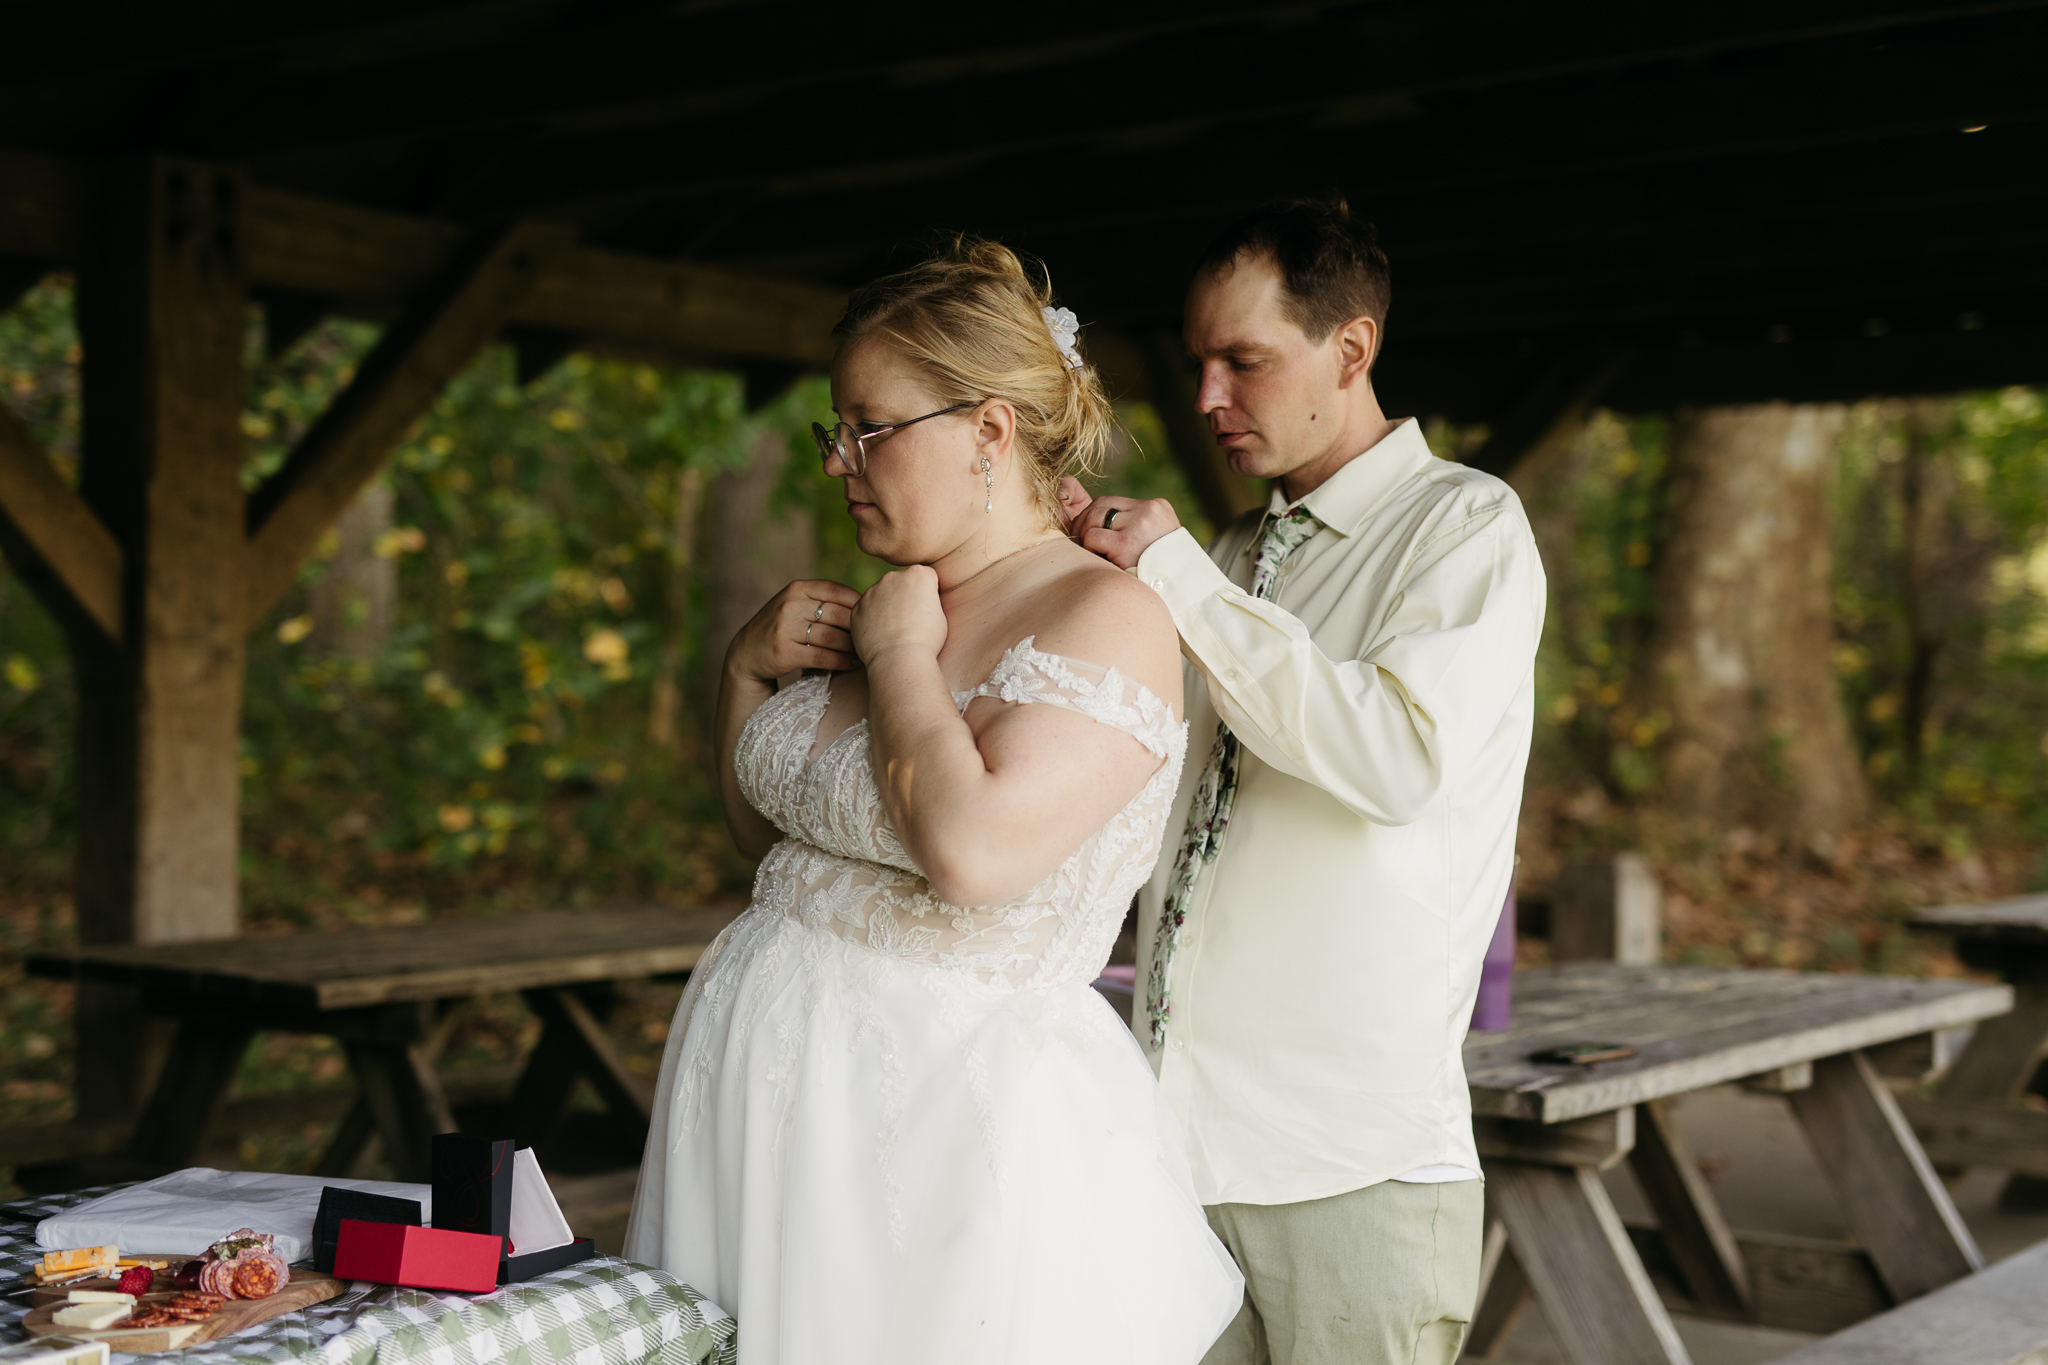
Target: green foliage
<point>1942,604</point>
<point>538,538</point>
<point>39,382</point>
<point>1611,511</point>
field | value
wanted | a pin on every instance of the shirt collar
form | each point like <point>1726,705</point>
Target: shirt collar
<point>1344,500</point>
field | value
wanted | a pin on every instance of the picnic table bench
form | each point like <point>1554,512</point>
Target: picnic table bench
<point>1546,1132</point>
<point>1986,1111</point>
<point>1999,1317</point>
<point>385,995</point>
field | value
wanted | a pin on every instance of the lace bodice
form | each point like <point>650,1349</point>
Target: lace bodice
<point>842,868</point>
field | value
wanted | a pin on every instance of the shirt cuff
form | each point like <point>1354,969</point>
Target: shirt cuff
<point>1181,572</point>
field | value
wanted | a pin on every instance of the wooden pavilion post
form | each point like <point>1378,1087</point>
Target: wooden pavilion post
<point>162,313</point>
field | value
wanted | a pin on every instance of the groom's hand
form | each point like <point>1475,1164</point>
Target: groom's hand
<point>1131,527</point>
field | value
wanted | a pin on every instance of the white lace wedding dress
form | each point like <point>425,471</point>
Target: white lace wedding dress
<point>894,1130</point>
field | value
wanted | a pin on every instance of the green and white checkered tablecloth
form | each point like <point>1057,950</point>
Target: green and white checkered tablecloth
<point>599,1312</point>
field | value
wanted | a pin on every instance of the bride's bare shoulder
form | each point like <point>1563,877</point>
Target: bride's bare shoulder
<point>1095,612</point>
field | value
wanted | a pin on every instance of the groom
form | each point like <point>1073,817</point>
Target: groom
<point>1359,702</point>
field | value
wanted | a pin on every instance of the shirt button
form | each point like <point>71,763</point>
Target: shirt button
<point>1156,584</point>
<point>1231,674</point>
<point>1178,1045</point>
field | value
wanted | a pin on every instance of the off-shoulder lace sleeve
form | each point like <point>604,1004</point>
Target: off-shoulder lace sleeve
<point>1029,674</point>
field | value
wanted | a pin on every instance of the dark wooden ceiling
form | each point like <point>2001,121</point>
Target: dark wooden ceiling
<point>1699,201</point>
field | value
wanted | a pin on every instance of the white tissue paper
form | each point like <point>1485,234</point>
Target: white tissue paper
<point>537,1221</point>
<point>187,1211</point>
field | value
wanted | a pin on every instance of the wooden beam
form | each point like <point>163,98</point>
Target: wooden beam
<point>1336,98</point>
<point>1799,1284</point>
<point>1901,1212</point>
<point>396,383</point>
<point>16,279</point>
<point>1551,408</point>
<point>537,350</point>
<point>1503,1292</point>
<point>72,542</point>
<point>2000,1134</point>
<point>369,261</point>
<point>1570,1242</point>
<point>163,316</point>
<point>1999,1317</point>
<point>1695,1233</point>
<point>373,264</point>
<point>1607,909</point>
<point>45,208</point>
<point>1598,1142</point>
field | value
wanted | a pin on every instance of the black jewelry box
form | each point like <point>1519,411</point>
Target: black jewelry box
<point>473,1184</point>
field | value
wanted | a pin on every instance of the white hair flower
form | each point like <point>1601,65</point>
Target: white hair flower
<point>1066,330</point>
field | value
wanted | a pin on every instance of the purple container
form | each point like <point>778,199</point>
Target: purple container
<point>1497,974</point>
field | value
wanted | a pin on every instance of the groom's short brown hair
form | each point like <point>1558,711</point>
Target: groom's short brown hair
<point>1331,265</point>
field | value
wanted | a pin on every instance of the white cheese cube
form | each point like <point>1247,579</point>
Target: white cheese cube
<point>90,1316</point>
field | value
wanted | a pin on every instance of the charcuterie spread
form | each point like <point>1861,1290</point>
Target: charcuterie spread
<point>243,1265</point>
<point>175,1311</point>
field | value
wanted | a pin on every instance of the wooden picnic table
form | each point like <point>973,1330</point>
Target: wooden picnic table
<point>387,995</point>
<point>1547,1131</point>
<point>1984,1112</point>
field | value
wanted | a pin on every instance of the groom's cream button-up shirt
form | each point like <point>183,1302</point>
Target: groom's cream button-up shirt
<point>1384,697</point>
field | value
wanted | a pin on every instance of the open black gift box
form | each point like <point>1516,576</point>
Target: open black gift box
<point>473,1182</point>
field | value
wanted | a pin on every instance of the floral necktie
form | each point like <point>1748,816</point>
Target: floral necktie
<point>1215,793</point>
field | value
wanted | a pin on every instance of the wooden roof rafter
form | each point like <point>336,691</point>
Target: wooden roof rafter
<point>372,263</point>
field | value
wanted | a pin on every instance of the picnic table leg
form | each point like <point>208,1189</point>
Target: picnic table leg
<point>2002,1056</point>
<point>1689,1216</point>
<point>345,1148</point>
<point>1897,1205</point>
<point>573,1045</point>
<point>201,1066</point>
<point>403,1093</point>
<point>1503,1291</point>
<point>359,1126</point>
<point>1571,1244</point>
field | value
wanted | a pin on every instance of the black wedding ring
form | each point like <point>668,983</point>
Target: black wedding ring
<point>1109,517</point>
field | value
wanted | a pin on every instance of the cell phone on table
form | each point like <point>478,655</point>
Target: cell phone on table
<point>1582,1054</point>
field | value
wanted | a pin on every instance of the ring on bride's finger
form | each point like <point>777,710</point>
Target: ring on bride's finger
<point>807,631</point>
<point>819,614</point>
<point>1109,517</point>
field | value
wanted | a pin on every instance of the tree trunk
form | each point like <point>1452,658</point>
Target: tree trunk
<point>1742,658</point>
<point>356,600</point>
<point>1922,496</point>
<point>756,548</point>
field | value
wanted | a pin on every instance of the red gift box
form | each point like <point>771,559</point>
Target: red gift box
<point>422,1258</point>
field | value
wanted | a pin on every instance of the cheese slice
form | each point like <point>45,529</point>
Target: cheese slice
<point>78,1258</point>
<point>91,1316</point>
<point>98,1296</point>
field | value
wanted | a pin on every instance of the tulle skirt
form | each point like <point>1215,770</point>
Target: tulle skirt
<point>865,1159</point>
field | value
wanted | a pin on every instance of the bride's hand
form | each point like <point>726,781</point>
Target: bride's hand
<point>804,626</point>
<point>900,612</point>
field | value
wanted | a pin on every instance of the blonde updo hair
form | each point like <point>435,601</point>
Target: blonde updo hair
<point>970,318</point>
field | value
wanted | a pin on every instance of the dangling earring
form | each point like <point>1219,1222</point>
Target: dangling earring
<point>988,477</point>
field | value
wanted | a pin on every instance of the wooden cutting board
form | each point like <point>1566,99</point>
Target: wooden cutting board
<point>307,1287</point>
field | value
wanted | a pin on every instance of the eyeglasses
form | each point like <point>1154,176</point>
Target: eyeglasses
<point>851,446</point>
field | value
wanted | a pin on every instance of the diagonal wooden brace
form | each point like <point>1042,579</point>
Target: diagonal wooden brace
<point>400,379</point>
<point>65,534</point>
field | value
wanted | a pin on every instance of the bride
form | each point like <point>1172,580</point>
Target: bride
<point>894,1124</point>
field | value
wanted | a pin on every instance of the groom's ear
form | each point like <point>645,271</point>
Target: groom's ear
<point>1358,345</point>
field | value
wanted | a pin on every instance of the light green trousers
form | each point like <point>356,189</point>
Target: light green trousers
<point>1386,1275</point>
